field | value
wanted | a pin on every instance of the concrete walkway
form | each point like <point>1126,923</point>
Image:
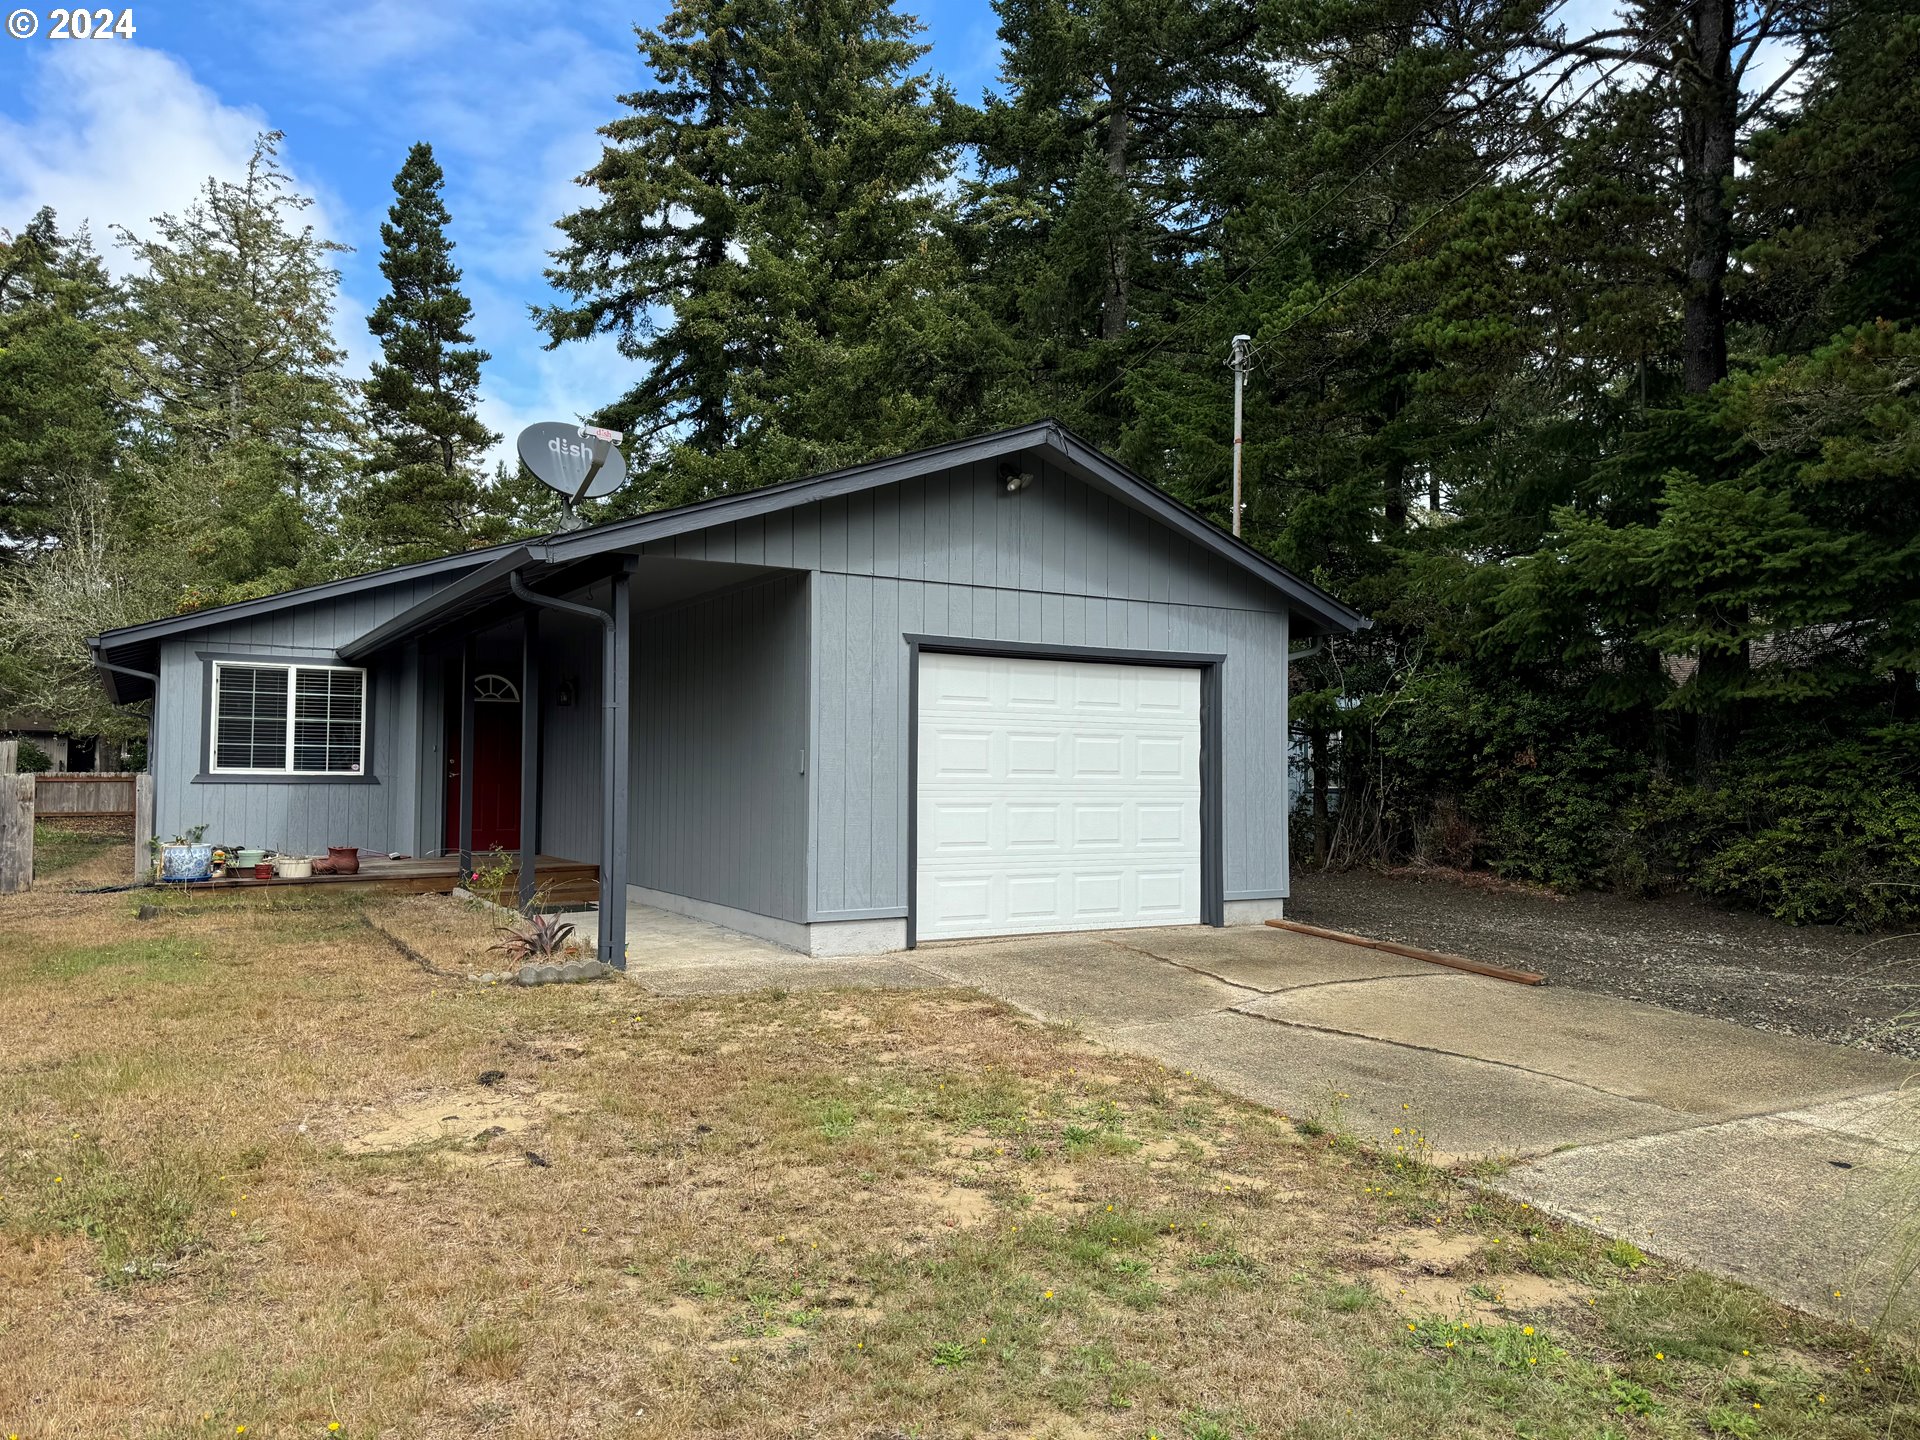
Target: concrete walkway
<point>1785,1163</point>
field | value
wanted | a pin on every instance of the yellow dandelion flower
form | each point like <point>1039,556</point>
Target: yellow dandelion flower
<point>1532,1361</point>
<point>1413,1327</point>
<point>1048,1295</point>
<point>1526,1329</point>
<point>333,1425</point>
<point>1659,1355</point>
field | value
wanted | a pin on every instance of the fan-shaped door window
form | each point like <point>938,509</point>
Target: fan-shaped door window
<point>495,690</point>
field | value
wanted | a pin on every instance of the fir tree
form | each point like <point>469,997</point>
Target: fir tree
<point>653,261</point>
<point>244,423</point>
<point>60,417</point>
<point>423,494</point>
<point>768,239</point>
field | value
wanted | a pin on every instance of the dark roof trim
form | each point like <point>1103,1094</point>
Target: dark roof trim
<point>266,604</point>
<point>1326,612</point>
<point>1329,612</point>
<point>442,602</point>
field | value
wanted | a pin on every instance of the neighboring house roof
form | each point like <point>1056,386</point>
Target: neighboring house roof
<point>136,647</point>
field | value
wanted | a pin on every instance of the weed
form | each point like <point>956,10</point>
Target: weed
<point>489,1351</point>
<point>1625,1254</point>
<point>1632,1399</point>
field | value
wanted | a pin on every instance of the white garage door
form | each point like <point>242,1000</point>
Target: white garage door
<point>1055,795</point>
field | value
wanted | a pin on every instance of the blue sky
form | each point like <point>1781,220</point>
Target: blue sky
<point>509,95</point>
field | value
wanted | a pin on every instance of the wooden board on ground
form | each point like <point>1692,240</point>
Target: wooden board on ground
<point>1414,952</point>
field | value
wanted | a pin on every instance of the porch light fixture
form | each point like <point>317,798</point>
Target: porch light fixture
<point>1013,479</point>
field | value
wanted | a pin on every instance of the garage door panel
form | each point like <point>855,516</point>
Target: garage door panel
<point>1056,795</point>
<point>1033,826</point>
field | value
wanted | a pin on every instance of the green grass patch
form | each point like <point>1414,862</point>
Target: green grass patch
<point>56,848</point>
<point>161,960</point>
<point>142,1215</point>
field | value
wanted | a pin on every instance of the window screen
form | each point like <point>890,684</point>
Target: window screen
<point>326,721</point>
<point>251,729</point>
<point>289,719</point>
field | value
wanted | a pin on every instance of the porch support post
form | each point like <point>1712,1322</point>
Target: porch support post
<point>529,753</point>
<point>466,759</point>
<point>616,677</point>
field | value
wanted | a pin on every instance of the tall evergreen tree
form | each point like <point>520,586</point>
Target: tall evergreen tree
<point>653,261</point>
<point>1090,195</point>
<point>768,239</point>
<point>61,420</point>
<point>423,495</point>
<point>244,420</point>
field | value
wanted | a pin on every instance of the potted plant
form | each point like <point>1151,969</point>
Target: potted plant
<point>185,858</point>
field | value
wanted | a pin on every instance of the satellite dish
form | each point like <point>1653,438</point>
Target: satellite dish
<point>582,462</point>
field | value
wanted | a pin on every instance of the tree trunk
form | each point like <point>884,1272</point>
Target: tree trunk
<point>1317,760</point>
<point>710,369</point>
<point>1906,698</point>
<point>1709,110</point>
<point>1113,304</point>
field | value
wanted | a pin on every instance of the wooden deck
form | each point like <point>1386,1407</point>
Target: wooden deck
<point>557,879</point>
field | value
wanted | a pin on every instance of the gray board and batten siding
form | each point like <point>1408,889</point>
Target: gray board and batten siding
<point>1058,563</point>
<point>377,810</point>
<point>719,799</point>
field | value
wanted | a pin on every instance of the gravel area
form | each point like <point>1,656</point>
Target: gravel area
<point>1682,952</point>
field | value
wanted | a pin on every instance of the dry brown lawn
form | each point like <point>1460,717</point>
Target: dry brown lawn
<point>259,1167</point>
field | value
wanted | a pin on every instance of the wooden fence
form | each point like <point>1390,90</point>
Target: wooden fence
<point>84,797</point>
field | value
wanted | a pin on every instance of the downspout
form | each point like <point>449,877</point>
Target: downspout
<point>613,822</point>
<point>153,718</point>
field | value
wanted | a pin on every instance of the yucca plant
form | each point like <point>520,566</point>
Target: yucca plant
<point>538,937</point>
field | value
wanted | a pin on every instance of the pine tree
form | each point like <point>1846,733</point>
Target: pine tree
<point>768,239</point>
<point>244,422</point>
<point>423,494</point>
<point>653,262</point>
<point>61,421</point>
<point>1092,196</point>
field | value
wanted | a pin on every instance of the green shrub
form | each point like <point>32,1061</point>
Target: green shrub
<point>32,759</point>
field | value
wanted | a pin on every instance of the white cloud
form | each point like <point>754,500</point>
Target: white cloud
<point>114,135</point>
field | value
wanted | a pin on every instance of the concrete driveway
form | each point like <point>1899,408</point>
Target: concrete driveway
<point>1775,1160</point>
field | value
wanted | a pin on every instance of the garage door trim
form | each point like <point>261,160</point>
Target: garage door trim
<point>1212,886</point>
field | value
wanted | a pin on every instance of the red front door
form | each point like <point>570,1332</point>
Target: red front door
<point>496,776</point>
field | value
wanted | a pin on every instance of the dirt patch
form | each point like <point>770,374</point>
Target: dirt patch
<point>1431,1273</point>
<point>953,1207</point>
<point>476,1116</point>
<point>1816,981</point>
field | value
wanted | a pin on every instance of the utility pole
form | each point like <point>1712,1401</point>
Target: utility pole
<point>1240,361</point>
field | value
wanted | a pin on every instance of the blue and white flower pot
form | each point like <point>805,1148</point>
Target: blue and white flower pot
<point>181,863</point>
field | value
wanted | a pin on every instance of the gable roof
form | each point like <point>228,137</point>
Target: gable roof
<point>486,571</point>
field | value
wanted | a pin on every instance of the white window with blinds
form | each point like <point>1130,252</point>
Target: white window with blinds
<point>289,719</point>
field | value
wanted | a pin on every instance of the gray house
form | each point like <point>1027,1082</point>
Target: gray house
<point>996,687</point>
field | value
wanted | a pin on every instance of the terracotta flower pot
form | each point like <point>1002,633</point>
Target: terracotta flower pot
<point>263,871</point>
<point>345,858</point>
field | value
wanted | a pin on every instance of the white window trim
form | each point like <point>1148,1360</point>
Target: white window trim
<point>214,766</point>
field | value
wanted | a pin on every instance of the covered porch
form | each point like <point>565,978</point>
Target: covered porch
<point>542,693</point>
